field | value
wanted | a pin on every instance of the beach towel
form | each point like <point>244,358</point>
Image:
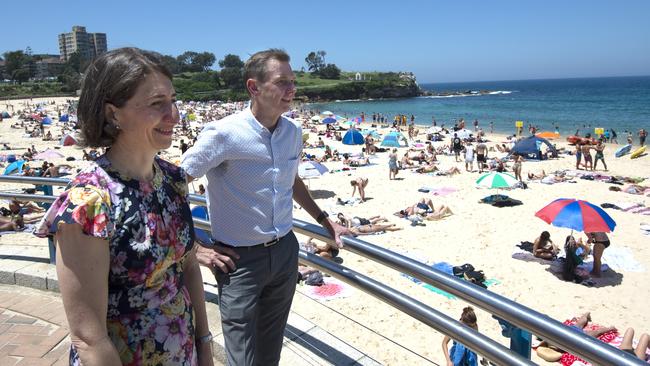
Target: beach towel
<point>621,259</point>
<point>612,338</point>
<point>440,191</point>
<point>330,289</point>
<point>448,269</point>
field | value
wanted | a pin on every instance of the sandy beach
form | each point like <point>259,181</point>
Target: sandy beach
<point>476,233</point>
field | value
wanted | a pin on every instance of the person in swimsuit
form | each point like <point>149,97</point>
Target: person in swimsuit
<point>578,156</point>
<point>586,152</point>
<point>392,164</point>
<point>599,154</point>
<point>360,183</point>
<point>469,157</point>
<point>641,347</point>
<point>516,168</point>
<point>544,247</point>
<point>481,156</point>
<point>600,241</point>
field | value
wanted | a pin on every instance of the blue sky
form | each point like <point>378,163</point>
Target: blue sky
<point>438,41</point>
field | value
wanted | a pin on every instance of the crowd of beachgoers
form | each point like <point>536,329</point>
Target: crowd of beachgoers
<point>417,194</point>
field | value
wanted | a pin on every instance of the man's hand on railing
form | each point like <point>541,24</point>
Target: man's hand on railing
<point>336,230</point>
<point>217,258</point>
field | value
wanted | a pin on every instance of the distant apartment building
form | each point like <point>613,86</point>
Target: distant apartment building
<point>88,45</point>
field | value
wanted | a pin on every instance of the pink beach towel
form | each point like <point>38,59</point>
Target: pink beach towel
<point>443,191</point>
<point>331,289</point>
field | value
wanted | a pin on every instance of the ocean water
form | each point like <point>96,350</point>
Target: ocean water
<point>620,103</point>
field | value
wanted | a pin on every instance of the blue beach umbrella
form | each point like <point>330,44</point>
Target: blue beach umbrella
<point>47,121</point>
<point>353,137</point>
<point>328,120</point>
<point>64,118</point>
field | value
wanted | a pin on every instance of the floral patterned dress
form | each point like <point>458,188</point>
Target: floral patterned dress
<point>148,226</point>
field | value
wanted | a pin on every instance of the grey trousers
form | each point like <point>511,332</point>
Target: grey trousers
<point>255,301</point>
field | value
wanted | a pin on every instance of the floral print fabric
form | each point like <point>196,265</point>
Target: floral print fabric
<point>148,226</point>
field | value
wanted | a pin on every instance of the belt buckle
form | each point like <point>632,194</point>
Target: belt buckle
<point>272,242</point>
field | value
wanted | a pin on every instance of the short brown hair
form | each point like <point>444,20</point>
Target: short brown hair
<point>468,317</point>
<point>255,66</point>
<point>113,77</point>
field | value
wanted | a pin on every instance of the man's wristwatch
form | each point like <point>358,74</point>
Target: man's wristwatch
<point>205,339</point>
<point>323,215</point>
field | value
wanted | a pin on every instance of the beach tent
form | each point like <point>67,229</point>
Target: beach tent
<point>14,168</point>
<point>48,154</point>
<point>393,139</point>
<point>531,147</point>
<point>64,118</point>
<point>47,120</point>
<point>6,114</point>
<point>353,137</point>
<point>68,140</point>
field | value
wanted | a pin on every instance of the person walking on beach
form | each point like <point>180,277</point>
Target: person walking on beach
<point>642,136</point>
<point>457,146</point>
<point>251,162</point>
<point>481,156</point>
<point>392,164</point>
<point>599,154</point>
<point>469,157</point>
<point>578,155</point>
<point>516,167</point>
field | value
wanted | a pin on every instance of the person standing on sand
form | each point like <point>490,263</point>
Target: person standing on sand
<point>642,136</point>
<point>457,146</point>
<point>578,156</point>
<point>360,183</point>
<point>469,157</point>
<point>481,156</point>
<point>516,168</point>
<point>251,162</point>
<point>613,136</point>
<point>599,154</point>
<point>586,153</point>
<point>601,242</point>
<point>392,164</point>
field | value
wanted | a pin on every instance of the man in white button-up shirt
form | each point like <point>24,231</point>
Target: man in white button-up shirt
<point>251,162</point>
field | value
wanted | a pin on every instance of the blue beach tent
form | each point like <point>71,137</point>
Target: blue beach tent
<point>530,147</point>
<point>64,118</point>
<point>393,139</point>
<point>353,137</point>
<point>6,114</point>
<point>47,120</point>
<point>15,167</point>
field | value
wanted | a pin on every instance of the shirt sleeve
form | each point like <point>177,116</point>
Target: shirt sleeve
<point>208,152</point>
<point>86,205</point>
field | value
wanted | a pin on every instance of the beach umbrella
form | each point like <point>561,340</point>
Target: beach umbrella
<point>311,169</point>
<point>353,137</point>
<point>6,114</point>
<point>548,135</point>
<point>47,120</point>
<point>576,215</point>
<point>327,113</point>
<point>15,167</point>
<point>64,118</point>
<point>496,180</point>
<point>48,154</point>
<point>328,120</point>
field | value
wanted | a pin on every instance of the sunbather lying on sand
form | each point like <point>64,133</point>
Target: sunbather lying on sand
<point>355,221</point>
<point>427,210</point>
<point>11,223</point>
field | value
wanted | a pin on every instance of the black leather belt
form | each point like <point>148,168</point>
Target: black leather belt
<point>269,243</point>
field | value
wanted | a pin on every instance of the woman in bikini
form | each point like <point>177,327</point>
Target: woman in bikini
<point>516,168</point>
<point>544,247</point>
<point>601,242</point>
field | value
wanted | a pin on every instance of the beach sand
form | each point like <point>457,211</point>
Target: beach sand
<point>479,234</point>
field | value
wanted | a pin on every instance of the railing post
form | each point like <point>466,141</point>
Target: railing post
<point>52,249</point>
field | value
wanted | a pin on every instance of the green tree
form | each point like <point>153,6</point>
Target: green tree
<point>231,60</point>
<point>315,61</point>
<point>172,64</point>
<point>204,60</point>
<point>186,61</point>
<point>17,66</point>
<point>232,71</point>
<point>330,71</point>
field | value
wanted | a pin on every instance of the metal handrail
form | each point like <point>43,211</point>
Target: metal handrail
<point>523,317</point>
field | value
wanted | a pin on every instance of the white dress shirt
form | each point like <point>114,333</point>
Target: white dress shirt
<point>250,174</point>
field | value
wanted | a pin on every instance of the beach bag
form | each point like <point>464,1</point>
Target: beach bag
<point>475,277</point>
<point>459,271</point>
